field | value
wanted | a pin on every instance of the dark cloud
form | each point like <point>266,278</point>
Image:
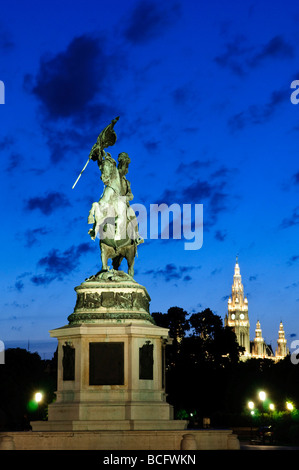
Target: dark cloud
<point>220,235</point>
<point>149,20</point>
<point>293,259</point>
<point>193,167</point>
<point>42,279</point>
<point>69,81</point>
<point>14,161</point>
<point>6,142</point>
<point>19,285</point>
<point>296,178</point>
<point>58,264</point>
<point>172,272</point>
<point>63,263</point>
<point>47,204</point>
<point>75,90</point>
<point>183,95</point>
<point>61,142</point>
<point>233,57</point>
<point>151,146</point>
<point>225,298</point>
<point>31,236</point>
<point>207,189</point>
<point>276,48</point>
<point>258,114</point>
<point>292,220</point>
<point>6,41</point>
<point>216,271</point>
<point>239,57</point>
<point>292,286</point>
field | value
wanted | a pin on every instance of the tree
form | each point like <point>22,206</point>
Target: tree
<point>206,324</point>
<point>176,321</point>
<point>22,375</point>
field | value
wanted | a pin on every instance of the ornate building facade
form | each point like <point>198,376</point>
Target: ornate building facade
<point>237,318</point>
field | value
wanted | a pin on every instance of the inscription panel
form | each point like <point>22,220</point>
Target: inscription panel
<point>146,361</point>
<point>106,363</point>
<point>68,362</point>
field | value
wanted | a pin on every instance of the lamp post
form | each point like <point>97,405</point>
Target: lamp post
<point>251,407</point>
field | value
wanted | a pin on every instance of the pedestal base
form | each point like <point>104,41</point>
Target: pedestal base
<point>111,362</point>
<point>120,440</point>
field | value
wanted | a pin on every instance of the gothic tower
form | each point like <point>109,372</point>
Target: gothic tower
<point>237,316</point>
<point>281,350</point>
<point>259,347</point>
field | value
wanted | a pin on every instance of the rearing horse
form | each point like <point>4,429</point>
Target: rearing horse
<point>111,221</point>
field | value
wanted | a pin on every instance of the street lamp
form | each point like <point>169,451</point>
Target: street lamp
<point>290,406</point>
<point>272,407</point>
<point>38,397</point>
<point>250,405</point>
<point>262,395</point>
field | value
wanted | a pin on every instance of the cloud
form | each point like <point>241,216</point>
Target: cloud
<point>6,41</point>
<point>216,271</point>
<point>41,279</point>
<point>58,264</point>
<point>276,48</point>
<point>253,278</point>
<point>62,263</point>
<point>258,114</point>
<point>172,272</point>
<point>31,236</point>
<point>292,286</point>
<point>293,259</point>
<point>240,58</point>
<point>6,142</point>
<point>292,220</point>
<point>149,20</point>
<point>233,57</point>
<point>296,178</point>
<point>220,235</point>
<point>206,185</point>
<point>47,204</point>
<point>69,81</point>
<point>19,285</point>
<point>75,89</point>
<point>152,146</point>
<point>14,161</point>
<point>193,167</point>
<point>183,95</point>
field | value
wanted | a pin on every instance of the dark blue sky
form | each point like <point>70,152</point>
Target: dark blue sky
<point>203,94</point>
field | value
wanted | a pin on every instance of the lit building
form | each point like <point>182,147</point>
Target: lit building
<point>237,318</point>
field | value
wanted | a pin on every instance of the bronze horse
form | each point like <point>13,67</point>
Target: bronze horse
<point>114,221</point>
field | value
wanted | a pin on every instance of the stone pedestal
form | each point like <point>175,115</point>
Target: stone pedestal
<point>111,373</point>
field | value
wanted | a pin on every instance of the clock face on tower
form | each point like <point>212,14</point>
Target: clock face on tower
<point>233,316</point>
<point>242,316</point>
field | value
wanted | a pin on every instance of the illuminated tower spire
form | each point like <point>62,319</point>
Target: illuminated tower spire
<point>258,342</point>
<point>281,350</point>
<point>237,317</point>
